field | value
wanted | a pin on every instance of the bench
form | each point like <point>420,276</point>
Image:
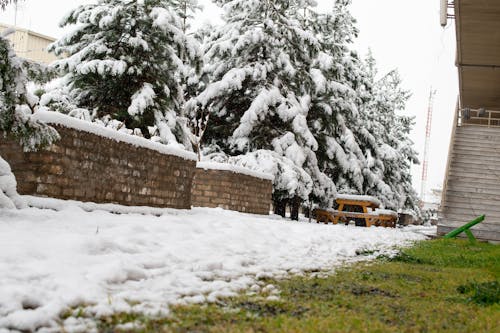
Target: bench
<point>363,202</point>
<point>372,218</point>
<point>386,218</point>
<point>386,221</point>
<point>334,216</point>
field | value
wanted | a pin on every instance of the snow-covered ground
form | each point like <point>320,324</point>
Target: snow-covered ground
<point>55,259</point>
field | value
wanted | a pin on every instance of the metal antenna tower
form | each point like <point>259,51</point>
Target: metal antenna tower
<point>15,13</point>
<point>428,127</point>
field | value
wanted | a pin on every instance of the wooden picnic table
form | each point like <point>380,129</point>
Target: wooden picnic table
<point>368,205</point>
<point>363,203</point>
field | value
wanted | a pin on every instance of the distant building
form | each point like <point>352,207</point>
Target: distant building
<point>30,45</point>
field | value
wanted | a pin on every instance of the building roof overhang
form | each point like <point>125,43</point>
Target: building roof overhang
<point>478,52</point>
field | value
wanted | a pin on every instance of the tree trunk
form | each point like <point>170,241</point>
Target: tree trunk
<point>280,207</point>
<point>295,205</point>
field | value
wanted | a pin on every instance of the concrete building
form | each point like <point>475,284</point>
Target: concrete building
<point>472,183</point>
<point>30,45</point>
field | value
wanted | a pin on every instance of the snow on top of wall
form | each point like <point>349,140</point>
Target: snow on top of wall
<point>88,206</point>
<point>235,169</point>
<point>56,118</point>
<point>359,198</point>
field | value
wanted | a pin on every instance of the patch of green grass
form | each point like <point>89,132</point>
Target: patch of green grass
<point>454,253</point>
<point>485,293</point>
<point>435,286</point>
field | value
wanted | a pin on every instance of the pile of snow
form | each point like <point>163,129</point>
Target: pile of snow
<point>235,169</point>
<point>63,258</point>
<point>8,192</point>
<point>56,118</point>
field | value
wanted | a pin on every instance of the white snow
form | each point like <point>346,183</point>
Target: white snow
<point>368,198</point>
<point>235,169</point>
<point>56,118</point>
<point>54,260</point>
<point>8,188</point>
<point>386,212</point>
<point>427,230</point>
<point>56,204</point>
<point>102,67</point>
<point>142,99</point>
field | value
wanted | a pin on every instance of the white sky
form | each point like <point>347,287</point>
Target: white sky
<point>402,34</point>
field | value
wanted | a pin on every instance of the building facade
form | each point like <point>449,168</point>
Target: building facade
<point>30,45</point>
<point>472,183</point>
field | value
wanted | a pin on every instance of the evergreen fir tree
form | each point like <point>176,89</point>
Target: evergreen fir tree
<point>126,60</point>
<point>259,96</point>
<point>334,115</point>
<point>396,149</point>
<point>363,142</point>
<point>370,138</point>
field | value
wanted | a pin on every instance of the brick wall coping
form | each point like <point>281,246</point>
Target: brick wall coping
<point>57,118</point>
<point>234,168</point>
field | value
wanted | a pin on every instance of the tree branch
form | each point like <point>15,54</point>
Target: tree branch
<point>4,3</point>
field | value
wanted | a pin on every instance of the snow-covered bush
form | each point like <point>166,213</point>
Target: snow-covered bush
<point>126,59</point>
<point>16,109</point>
<point>17,105</point>
<point>56,96</point>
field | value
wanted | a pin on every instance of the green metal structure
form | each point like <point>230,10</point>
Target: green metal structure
<point>466,229</point>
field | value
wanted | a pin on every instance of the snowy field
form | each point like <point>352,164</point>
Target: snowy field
<point>55,259</point>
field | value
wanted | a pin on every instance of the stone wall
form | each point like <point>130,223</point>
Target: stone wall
<point>231,190</point>
<point>94,164</point>
<point>87,167</point>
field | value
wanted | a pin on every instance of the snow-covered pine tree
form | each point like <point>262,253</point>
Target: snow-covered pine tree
<point>191,80</point>
<point>353,116</point>
<point>408,198</point>
<point>123,60</point>
<point>334,116</point>
<point>260,92</point>
<point>365,129</point>
<point>16,108</point>
<point>392,129</point>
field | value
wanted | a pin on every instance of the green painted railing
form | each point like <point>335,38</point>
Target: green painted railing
<point>466,229</point>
